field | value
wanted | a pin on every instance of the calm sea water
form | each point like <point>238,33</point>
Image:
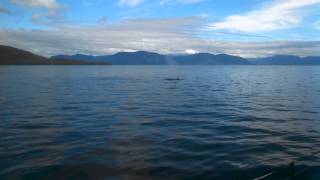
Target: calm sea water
<point>133,122</point>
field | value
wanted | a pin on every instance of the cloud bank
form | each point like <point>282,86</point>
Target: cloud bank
<point>164,36</point>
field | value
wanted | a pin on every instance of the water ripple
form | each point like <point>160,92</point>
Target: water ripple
<point>206,122</point>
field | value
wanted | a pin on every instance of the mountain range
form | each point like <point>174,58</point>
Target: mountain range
<point>149,58</point>
<point>14,56</point>
<point>287,60</point>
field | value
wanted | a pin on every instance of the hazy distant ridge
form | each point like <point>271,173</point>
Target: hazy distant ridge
<point>288,60</point>
<point>149,58</point>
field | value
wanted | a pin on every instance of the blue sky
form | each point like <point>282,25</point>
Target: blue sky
<point>247,28</point>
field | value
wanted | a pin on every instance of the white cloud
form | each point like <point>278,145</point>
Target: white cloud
<point>48,4</point>
<point>53,11</point>
<point>279,14</point>
<point>191,51</point>
<point>131,3</point>
<point>165,36</point>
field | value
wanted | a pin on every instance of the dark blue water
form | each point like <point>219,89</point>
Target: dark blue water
<point>158,122</point>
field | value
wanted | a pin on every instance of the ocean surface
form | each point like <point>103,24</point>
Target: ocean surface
<point>159,122</point>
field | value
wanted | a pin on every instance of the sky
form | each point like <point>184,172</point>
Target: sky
<point>246,28</point>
